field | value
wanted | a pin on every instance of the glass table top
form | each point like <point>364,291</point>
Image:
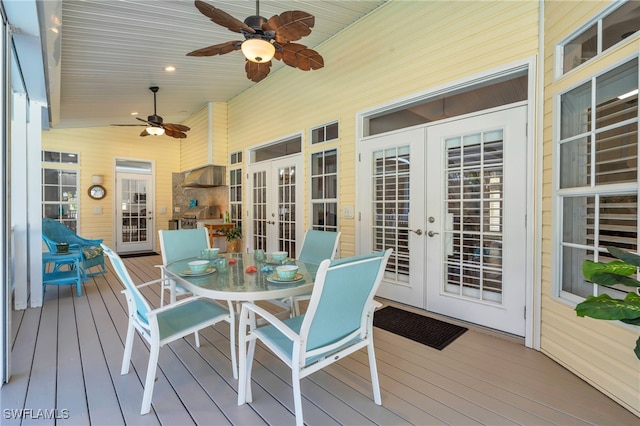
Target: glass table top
<point>238,284</point>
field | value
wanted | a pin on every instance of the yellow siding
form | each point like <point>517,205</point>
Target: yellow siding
<point>206,142</point>
<point>98,147</point>
<point>402,49</point>
<point>194,149</point>
<point>598,351</point>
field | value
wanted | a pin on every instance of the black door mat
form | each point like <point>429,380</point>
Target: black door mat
<point>428,331</point>
<point>138,254</point>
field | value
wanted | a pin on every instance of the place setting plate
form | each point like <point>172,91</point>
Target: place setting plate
<point>188,273</point>
<point>275,278</point>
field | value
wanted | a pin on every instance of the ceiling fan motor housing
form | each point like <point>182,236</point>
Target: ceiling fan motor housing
<point>155,119</point>
<point>255,22</point>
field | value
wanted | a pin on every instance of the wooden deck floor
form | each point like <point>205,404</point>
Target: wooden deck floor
<point>66,357</point>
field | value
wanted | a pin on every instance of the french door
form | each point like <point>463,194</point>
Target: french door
<point>276,190</point>
<point>450,199</point>
<point>134,215</point>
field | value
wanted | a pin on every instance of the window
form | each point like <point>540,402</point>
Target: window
<point>503,89</point>
<point>235,157</point>
<point>597,159</point>
<point>60,196</point>
<point>324,190</point>
<point>59,157</point>
<point>279,149</point>
<point>607,31</point>
<point>326,132</point>
<point>235,196</point>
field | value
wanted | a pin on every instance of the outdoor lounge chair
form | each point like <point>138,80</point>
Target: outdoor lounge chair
<point>54,232</point>
<point>337,323</point>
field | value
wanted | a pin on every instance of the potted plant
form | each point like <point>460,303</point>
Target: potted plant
<point>234,235</point>
<point>604,306</point>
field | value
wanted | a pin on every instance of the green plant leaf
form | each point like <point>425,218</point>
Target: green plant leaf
<point>637,350</point>
<point>607,308</point>
<point>625,256</point>
<point>617,267</point>
<point>609,279</point>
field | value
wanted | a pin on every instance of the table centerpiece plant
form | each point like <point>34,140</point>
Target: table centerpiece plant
<point>615,272</point>
<point>233,235</point>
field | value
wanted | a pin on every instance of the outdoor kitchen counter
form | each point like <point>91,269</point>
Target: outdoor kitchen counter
<point>216,237</point>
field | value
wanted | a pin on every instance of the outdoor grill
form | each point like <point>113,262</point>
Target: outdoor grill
<point>191,217</point>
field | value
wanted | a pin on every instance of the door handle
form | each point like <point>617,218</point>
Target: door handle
<point>431,233</point>
<point>417,231</point>
<point>271,222</point>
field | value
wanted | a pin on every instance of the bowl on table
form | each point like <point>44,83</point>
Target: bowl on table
<point>279,256</point>
<point>287,272</point>
<point>210,253</point>
<point>198,266</point>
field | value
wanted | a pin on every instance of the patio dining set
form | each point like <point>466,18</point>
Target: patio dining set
<point>246,291</point>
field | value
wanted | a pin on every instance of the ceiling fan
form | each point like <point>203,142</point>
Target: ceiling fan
<point>156,127</point>
<point>264,39</point>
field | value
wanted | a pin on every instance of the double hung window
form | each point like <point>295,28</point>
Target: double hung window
<point>597,187</point>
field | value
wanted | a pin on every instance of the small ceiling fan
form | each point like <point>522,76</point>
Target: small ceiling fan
<point>264,39</point>
<point>155,125</point>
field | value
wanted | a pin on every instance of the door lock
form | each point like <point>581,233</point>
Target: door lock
<point>417,231</point>
<point>431,233</point>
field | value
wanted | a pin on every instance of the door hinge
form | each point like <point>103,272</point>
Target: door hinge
<point>359,158</point>
<point>525,312</point>
<point>359,216</point>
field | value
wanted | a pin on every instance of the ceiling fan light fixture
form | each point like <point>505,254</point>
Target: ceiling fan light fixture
<point>258,50</point>
<point>155,131</point>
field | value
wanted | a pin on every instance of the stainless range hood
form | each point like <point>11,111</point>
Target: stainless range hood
<point>205,177</point>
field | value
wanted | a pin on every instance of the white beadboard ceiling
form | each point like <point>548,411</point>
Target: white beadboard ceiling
<point>103,55</point>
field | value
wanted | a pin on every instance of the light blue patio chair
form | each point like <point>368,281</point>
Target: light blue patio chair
<point>316,247</point>
<point>319,245</point>
<point>176,245</point>
<point>164,325</point>
<point>338,322</point>
<point>54,232</point>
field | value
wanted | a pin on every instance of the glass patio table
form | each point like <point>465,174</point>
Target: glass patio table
<point>237,285</point>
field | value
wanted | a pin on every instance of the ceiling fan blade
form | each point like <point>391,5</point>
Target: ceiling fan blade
<point>145,121</point>
<point>127,125</point>
<point>145,133</point>
<point>300,56</point>
<point>175,127</point>
<point>217,49</point>
<point>291,25</point>
<point>174,133</point>
<point>257,71</point>
<point>222,18</point>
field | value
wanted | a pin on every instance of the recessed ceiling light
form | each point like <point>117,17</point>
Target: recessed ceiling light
<point>134,113</point>
<point>169,68</point>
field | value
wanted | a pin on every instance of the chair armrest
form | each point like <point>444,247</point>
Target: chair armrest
<point>173,305</point>
<point>152,282</point>
<point>270,318</point>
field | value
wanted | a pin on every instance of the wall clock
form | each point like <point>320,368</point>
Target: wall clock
<point>97,192</point>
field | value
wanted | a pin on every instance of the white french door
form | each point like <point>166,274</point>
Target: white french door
<point>276,189</point>
<point>134,215</point>
<point>450,199</point>
<point>393,211</point>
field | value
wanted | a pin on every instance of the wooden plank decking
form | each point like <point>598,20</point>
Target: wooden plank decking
<point>67,355</point>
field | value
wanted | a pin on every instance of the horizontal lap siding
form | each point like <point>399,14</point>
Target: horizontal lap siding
<point>600,352</point>
<point>98,147</point>
<point>402,49</point>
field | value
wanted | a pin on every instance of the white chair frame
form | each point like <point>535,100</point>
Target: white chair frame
<point>304,362</point>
